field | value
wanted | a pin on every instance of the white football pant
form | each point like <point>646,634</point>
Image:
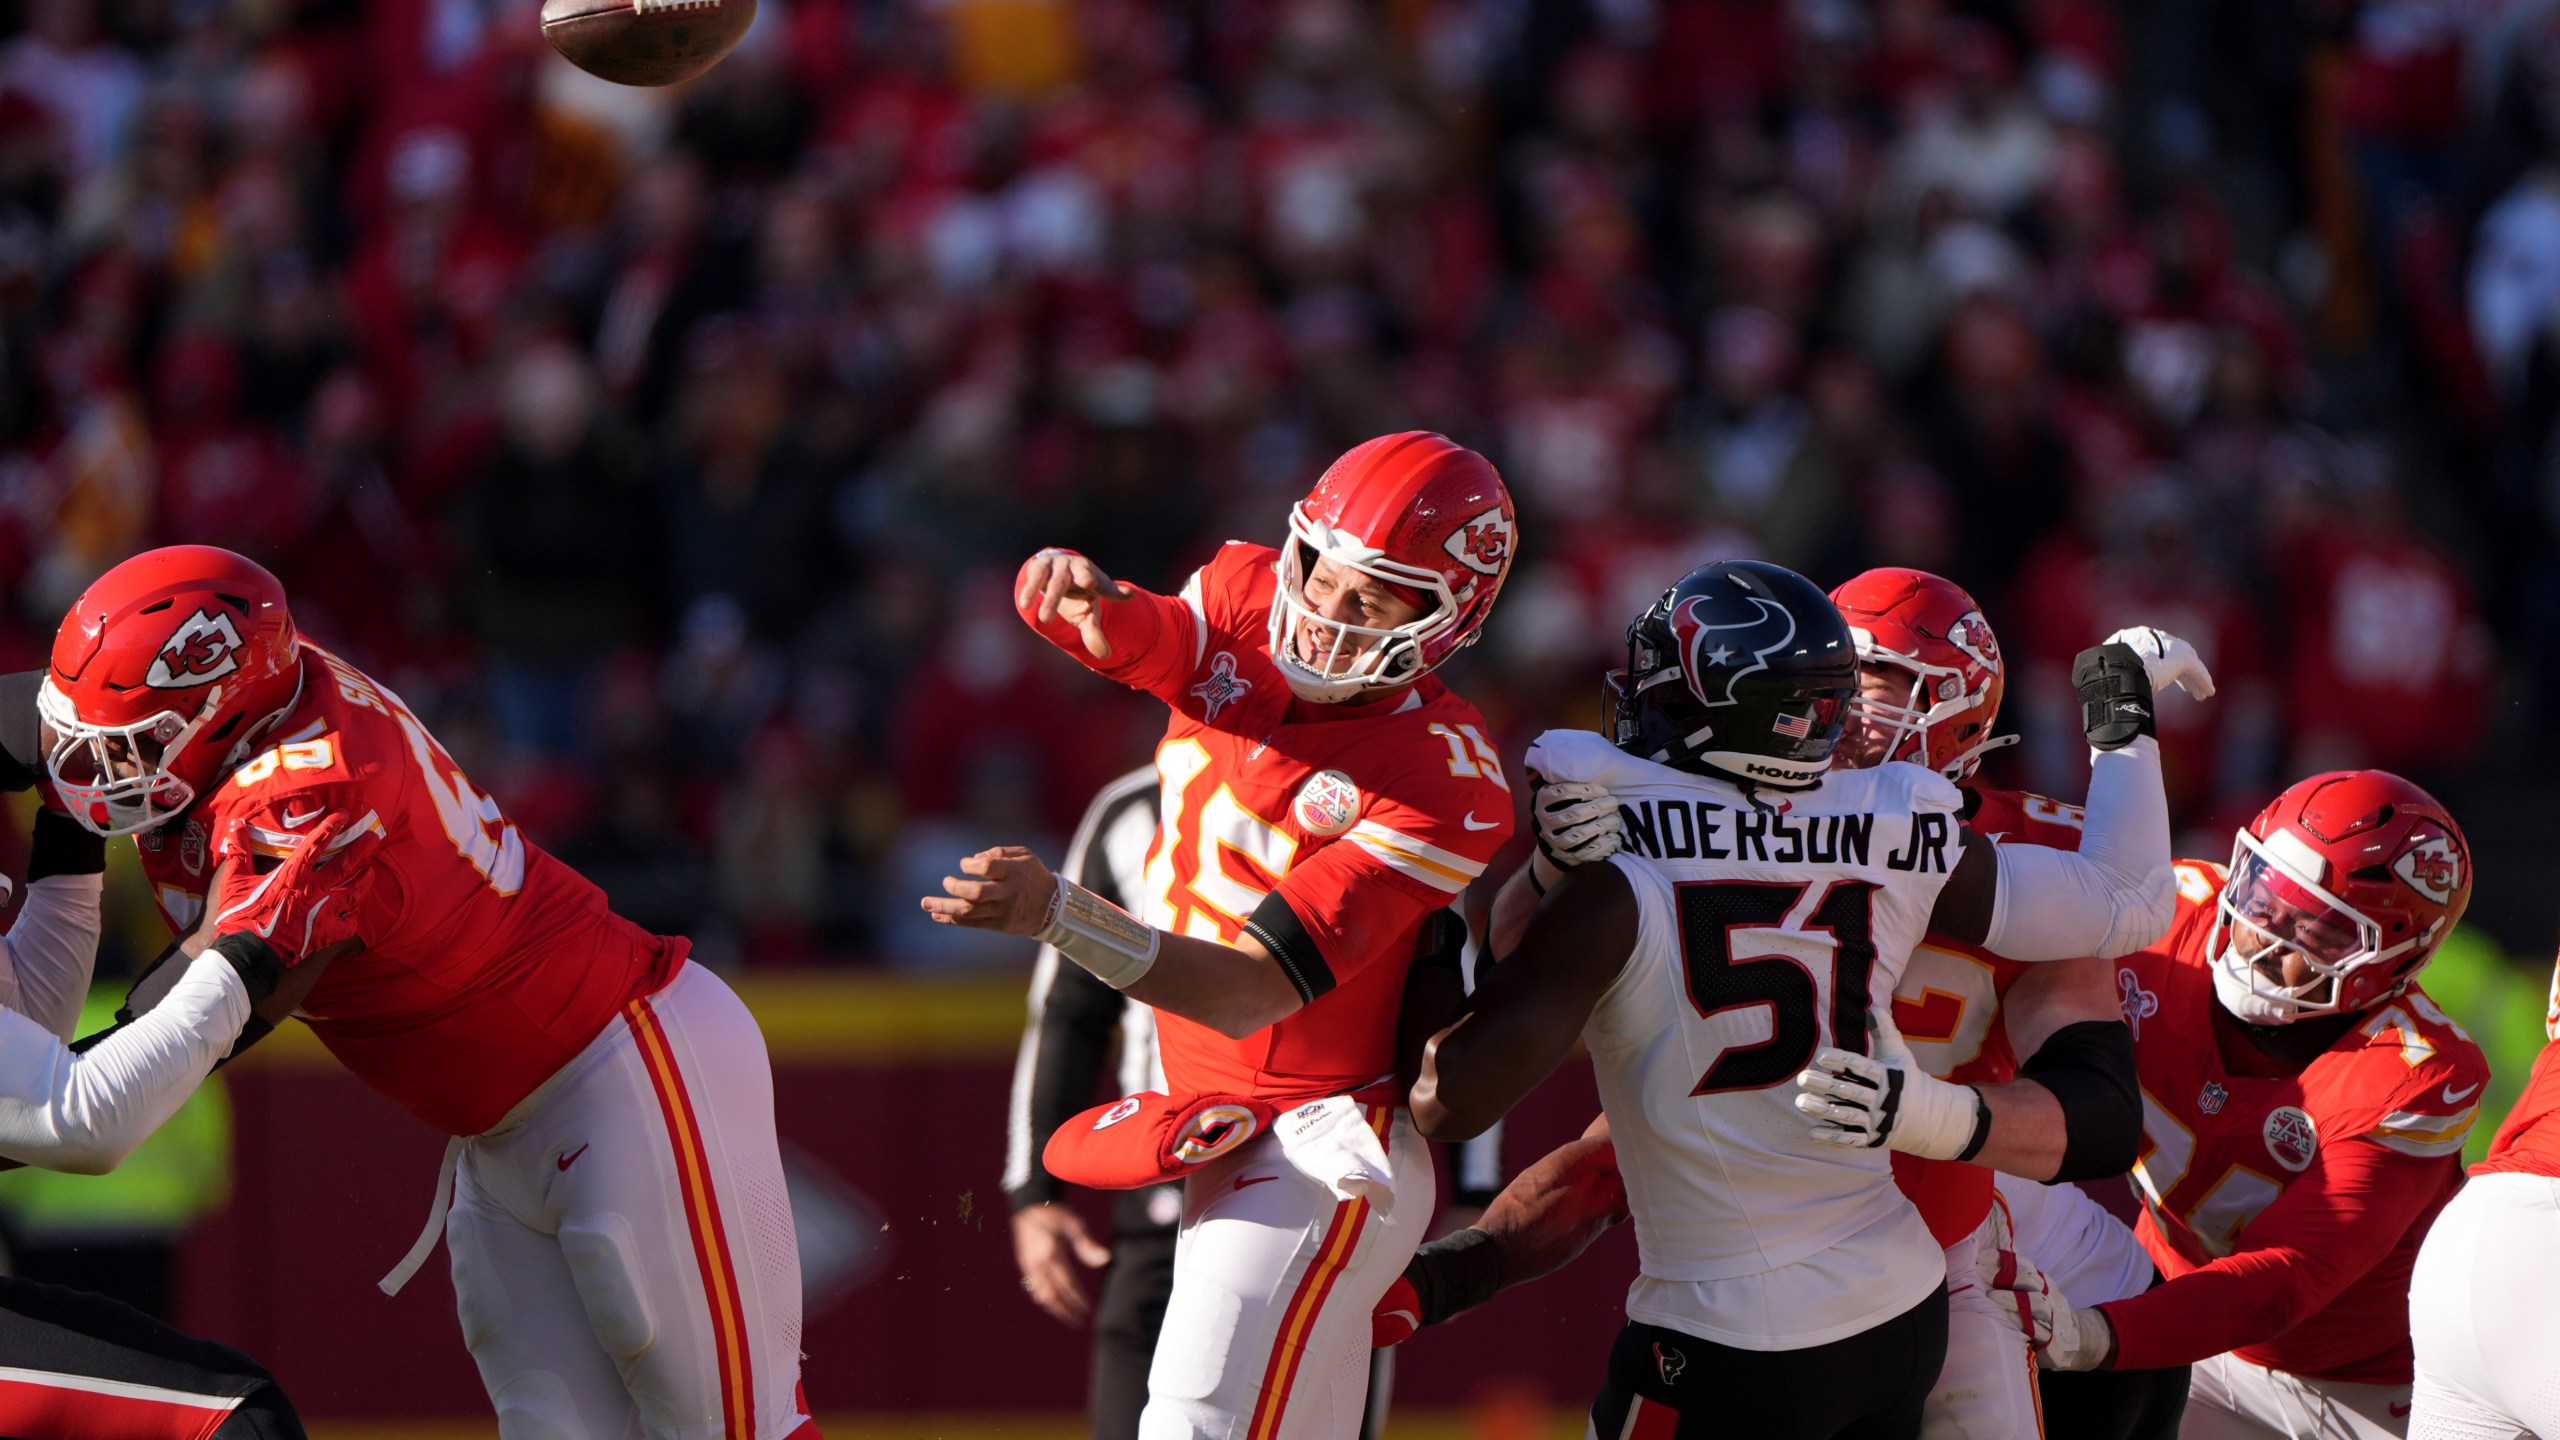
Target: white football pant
<point>623,1255</point>
<point>2231,1399</point>
<point>1987,1390</point>
<point>2484,1309</point>
<point>1266,1335</point>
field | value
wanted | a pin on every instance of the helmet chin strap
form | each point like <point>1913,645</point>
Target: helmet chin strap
<point>1965,764</point>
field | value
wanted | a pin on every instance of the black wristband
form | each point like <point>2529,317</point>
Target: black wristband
<point>259,966</point>
<point>63,846</point>
<point>1455,1274</point>
<point>2088,1065</point>
<point>2115,695</point>
<point>1981,1126</point>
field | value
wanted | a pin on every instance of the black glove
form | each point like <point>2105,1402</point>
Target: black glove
<point>2115,695</point>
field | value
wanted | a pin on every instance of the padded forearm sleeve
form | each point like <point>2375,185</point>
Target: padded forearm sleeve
<point>2117,894</point>
<point>2088,1065</point>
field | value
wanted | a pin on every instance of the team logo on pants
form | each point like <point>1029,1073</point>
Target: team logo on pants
<point>1670,1362</point>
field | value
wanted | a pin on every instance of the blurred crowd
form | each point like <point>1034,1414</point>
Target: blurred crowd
<point>671,452</point>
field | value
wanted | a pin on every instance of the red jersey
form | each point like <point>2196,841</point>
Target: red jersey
<point>486,964</point>
<point>1948,1009</point>
<point>2530,1139</point>
<point>2285,1209</point>
<point>1364,818</point>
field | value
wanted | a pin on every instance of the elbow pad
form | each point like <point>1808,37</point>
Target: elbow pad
<point>2054,905</point>
<point>2088,1066</point>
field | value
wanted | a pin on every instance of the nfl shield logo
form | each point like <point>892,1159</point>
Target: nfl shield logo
<point>2210,1099</point>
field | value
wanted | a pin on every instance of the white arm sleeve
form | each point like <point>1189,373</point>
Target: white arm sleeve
<point>51,950</point>
<point>85,1112</point>
<point>2117,894</point>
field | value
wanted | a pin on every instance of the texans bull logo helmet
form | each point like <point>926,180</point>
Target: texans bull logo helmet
<point>1743,670</point>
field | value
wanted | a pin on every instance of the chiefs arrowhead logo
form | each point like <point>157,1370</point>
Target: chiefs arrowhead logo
<point>1482,544</point>
<point>199,652</point>
<point>1972,635</point>
<point>2433,868</point>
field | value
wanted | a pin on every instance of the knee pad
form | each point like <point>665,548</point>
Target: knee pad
<point>603,1264</point>
<point>479,1283</point>
<point>1191,1350</point>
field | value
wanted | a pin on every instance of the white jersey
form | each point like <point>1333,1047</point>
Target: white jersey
<point>1765,931</point>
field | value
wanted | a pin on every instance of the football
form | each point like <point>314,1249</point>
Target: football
<point>645,42</point>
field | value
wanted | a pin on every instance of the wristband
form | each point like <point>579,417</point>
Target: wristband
<point>1455,1274</point>
<point>1981,1126</point>
<point>260,968</point>
<point>61,845</point>
<point>1098,935</point>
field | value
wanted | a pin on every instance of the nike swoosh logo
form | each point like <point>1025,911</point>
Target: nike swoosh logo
<point>1472,823</point>
<point>290,821</point>
<point>1407,1316</point>
<point>1244,1180</point>
<point>2398,1410</point>
<point>2451,1098</point>
<point>572,1157</point>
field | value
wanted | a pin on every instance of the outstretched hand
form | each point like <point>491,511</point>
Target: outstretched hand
<point>1005,889</point>
<point>1064,585</point>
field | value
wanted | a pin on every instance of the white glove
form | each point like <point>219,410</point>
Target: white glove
<point>2076,1338</point>
<point>2167,659</point>
<point>2062,1335</point>
<point>1862,1101</point>
<point>2012,1280</point>
<point>1578,824</point>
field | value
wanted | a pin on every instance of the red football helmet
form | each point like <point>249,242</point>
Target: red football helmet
<point>2360,874</point>
<point>1416,510</point>
<point>164,672</point>
<point>1919,623</point>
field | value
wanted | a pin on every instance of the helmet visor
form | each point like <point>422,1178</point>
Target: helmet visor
<point>2290,940</point>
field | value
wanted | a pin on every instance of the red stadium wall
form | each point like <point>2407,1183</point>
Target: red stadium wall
<point>891,1102</point>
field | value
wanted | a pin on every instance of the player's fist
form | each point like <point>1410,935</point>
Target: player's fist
<point>1396,1316</point>
<point>1005,889</point>
<point>1063,585</point>
<point>313,898</point>
<point>1885,1098</point>
<point>2167,660</point>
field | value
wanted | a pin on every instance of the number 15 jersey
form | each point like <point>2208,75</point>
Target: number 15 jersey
<point>1363,818</point>
<point>1764,932</point>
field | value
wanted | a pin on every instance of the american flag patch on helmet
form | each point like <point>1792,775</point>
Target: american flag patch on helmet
<point>1794,726</point>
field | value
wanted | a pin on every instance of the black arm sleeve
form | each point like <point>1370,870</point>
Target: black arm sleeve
<point>2088,1066</point>
<point>19,760</point>
<point>1075,1017</point>
<point>1068,1048</point>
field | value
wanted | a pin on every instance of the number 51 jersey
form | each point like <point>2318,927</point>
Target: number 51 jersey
<point>487,964</point>
<point>1765,930</point>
